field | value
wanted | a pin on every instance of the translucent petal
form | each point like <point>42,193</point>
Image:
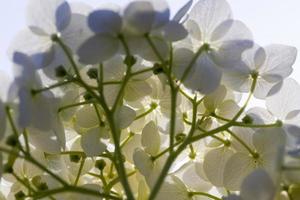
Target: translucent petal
<point>192,180</point>
<point>80,8</point>
<point>279,61</point>
<point>105,20</point>
<point>182,12</point>
<point>76,33</point>
<point>228,109</point>
<point>206,77</point>
<point>97,49</point>
<point>236,169</point>
<point>258,185</point>
<point>136,90</point>
<point>91,144</point>
<point>234,42</point>
<point>86,117</point>
<point>173,190</point>
<point>209,14</point>
<point>214,164</point>
<point>139,17</point>
<point>174,31</point>
<point>124,116</point>
<point>39,48</point>
<point>214,99</point>
<point>284,98</point>
<point>162,13</point>
<point>44,141</point>
<point>48,16</point>
<point>142,162</point>
<point>151,138</point>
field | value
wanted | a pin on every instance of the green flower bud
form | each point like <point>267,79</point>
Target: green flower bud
<point>75,158</point>
<point>92,73</point>
<point>60,71</point>
<point>100,164</point>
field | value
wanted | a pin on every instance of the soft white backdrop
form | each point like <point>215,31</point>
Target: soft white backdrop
<point>271,21</point>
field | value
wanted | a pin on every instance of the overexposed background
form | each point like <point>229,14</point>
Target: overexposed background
<point>271,21</point>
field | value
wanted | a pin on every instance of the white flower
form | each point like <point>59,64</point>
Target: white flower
<point>268,143</point>
<point>173,188</point>
<point>258,185</point>
<point>271,64</point>
<point>46,18</point>
<point>91,143</point>
<point>218,40</point>
<point>109,24</point>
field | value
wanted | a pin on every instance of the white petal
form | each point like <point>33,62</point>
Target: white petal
<point>139,17</point>
<point>80,8</point>
<point>206,77</point>
<point>238,78</point>
<point>230,47</point>
<point>228,109</point>
<point>91,144</point>
<point>214,164</point>
<point>209,14</point>
<point>39,48</point>
<point>236,169</point>
<point>191,178</point>
<point>151,138</point>
<point>284,98</point>
<point>86,117</point>
<point>214,99</point>
<point>175,189</point>
<point>279,61</point>
<point>124,116</point>
<point>48,16</point>
<point>174,31</point>
<point>142,162</point>
<point>105,20</point>
<point>182,12</point>
<point>259,186</point>
<point>269,140</point>
<point>76,32</point>
<point>162,13</point>
<point>97,49</point>
<point>44,141</point>
<point>262,88</point>
<point>136,90</point>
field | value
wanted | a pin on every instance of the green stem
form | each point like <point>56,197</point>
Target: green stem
<point>37,91</point>
<point>174,155</point>
<point>110,118</point>
<point>79,171</point>
<point>74,189</point>
<point>252,152</point>
<point>204,194</point>
<point>74,105</point>
<point>145,113</point>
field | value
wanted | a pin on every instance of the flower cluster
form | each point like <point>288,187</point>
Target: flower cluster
<point>129,103</point>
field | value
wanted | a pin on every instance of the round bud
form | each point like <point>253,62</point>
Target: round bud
<point>12,141</point>
<point>157,69</point>
<point>20,195</point>
<point>60,71</point>
<point>247,119</point>
<point>180,137</point>
<point>129,60</point>
<point>87,96</point>
<point>75,158</point>
<point>7,168</point>
<point>100,164</point>
<point>92,73</point>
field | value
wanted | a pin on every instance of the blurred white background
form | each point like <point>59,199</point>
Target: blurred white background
<point>271,21</point>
